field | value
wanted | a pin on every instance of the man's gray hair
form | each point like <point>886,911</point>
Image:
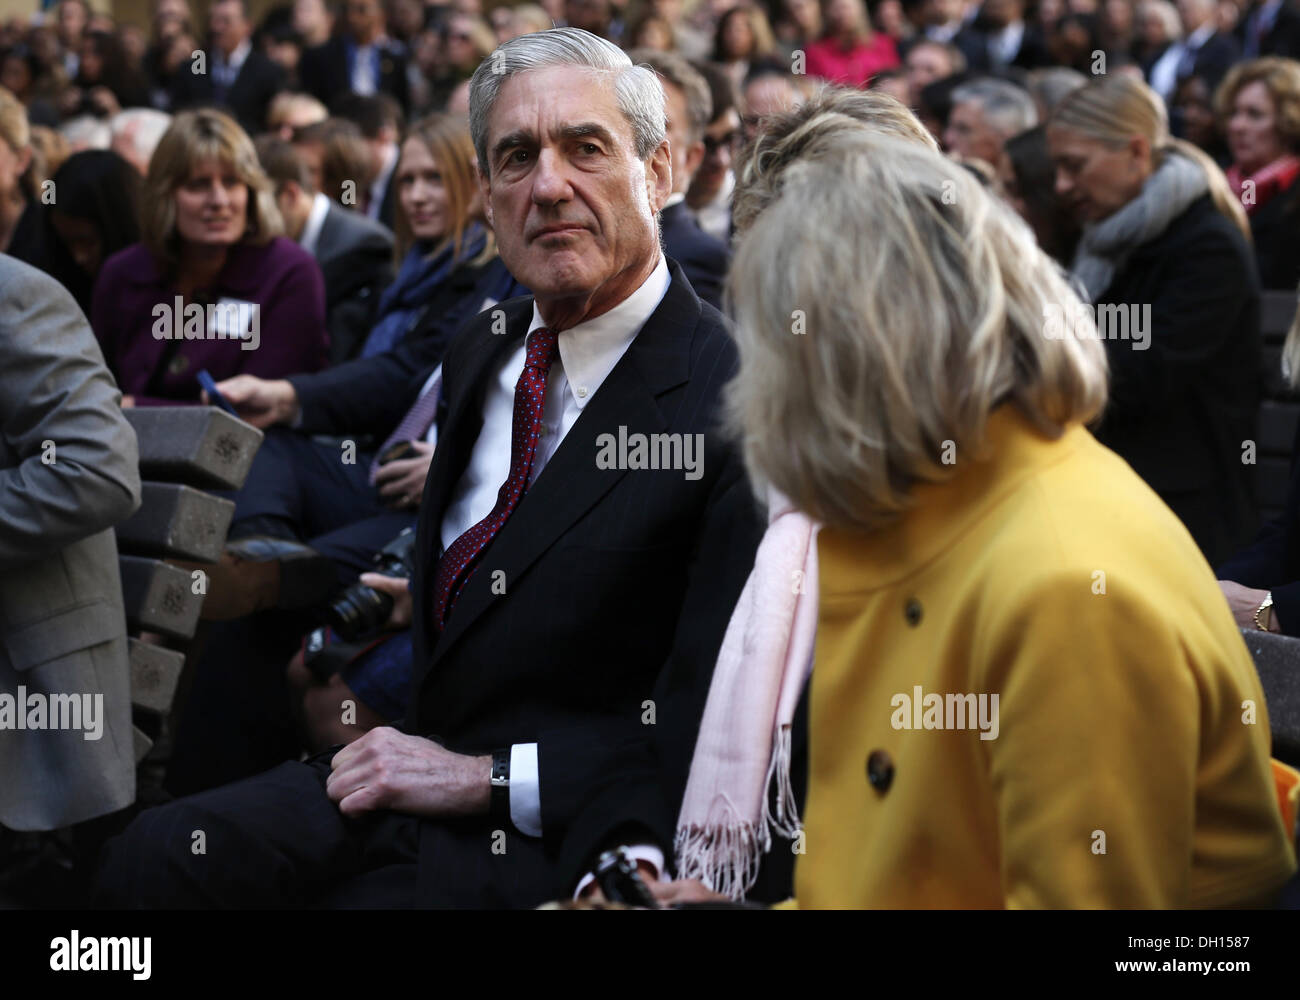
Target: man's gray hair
<point>143,128</point>
<point>637,89</point>
<point>1008,108</point>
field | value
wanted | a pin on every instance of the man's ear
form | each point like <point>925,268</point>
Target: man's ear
<point>485,194</point>
<point>659,177</point>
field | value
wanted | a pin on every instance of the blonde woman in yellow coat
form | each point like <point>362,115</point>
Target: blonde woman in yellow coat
<point>1027,689</point>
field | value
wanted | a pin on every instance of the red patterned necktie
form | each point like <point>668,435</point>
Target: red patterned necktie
<point>458,562</point>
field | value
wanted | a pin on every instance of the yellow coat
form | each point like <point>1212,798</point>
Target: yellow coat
<point>1131,761</point>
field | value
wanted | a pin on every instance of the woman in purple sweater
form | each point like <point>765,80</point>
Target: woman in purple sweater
<point>212,285</point>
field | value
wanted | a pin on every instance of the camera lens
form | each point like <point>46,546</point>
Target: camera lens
<point>358,610</point>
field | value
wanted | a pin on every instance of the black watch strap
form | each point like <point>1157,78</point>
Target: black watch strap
<point>500,802</point>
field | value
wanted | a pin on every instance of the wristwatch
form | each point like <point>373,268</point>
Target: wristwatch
<point>1264,613</point>
<point>499,806</point>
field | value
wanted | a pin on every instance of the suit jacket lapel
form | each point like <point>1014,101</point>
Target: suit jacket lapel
<point>571,484</point>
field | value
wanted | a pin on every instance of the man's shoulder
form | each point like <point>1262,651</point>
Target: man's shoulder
<point>356,231</point>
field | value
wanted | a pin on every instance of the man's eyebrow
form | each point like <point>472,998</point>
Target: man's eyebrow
<point>587,130</point>
<point>519,137</point>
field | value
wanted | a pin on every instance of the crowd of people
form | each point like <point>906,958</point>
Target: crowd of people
<point>943,317</point>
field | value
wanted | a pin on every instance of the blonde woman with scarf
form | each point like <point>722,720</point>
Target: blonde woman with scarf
<point>1165,264</point>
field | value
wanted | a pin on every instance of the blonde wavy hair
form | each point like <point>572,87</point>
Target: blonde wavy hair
<point>1281,78</point>
<point>1113,109</point>
<point>193,138</point>
<point>885,306</point>
<point>17,135</point>
<point>801,133</point>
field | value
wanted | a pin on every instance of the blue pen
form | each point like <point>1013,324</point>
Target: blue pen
<point>209,385</point>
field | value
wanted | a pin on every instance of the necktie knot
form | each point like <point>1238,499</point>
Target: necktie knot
<point>541,350</point>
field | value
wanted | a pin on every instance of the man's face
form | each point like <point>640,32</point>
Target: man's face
<point>925,64</point>
<point>686,151</point>
<point>766,96</point>
<point>720,141</point>
<point>313,155</point>
<point>572,205</point>
<point>970,134</point>
<point>228,26</point>
<point>1000,13</point>
<point>363,19</point>
<point>71,21</point>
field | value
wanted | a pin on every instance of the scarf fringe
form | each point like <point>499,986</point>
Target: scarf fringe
<point>726,853</point>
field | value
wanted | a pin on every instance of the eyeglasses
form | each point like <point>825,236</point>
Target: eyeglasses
<point>729,141</point>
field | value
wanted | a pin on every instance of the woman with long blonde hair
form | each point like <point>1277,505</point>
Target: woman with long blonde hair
<point>1164,261</point>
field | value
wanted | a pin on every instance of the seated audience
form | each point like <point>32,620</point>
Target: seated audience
<point>969,494</point>
<point>1259,105</point>
<point>360,59</point>
<point>985,114</point>
<point>382,123</point>
<point>58,559</point>
<point>213,284</point>
<point>703,257</point>
<point>1165,261</point>
<point>850,52</point>
<point>355,254</point>
<point>95,215</point>
<point>106,82</point>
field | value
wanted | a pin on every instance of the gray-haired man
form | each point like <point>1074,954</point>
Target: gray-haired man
<point>583,538</point>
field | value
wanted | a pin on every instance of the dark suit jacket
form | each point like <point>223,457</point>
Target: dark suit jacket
<point>370,395</point>
<point>323,71</point>
<point>259,79</point>
<point>974,44</point>
<point>1215,58</point>
<point>356,257</point>
<point>618,589</point>
<point>1282,39</point>
<point>704,258</point>
<point>1275,229</point>
<point>1180,410</point>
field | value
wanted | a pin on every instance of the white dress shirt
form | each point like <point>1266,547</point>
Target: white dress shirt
<point>320,207</point>
<point>1164,71</point>
<point>1004,45</point>
<point>363,70</point>
<point>715,217</point>
<point>588,353</point>
<point>226,68</point>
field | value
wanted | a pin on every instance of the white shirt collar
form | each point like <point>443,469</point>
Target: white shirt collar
<point>590,350</point>
<point>320,207</point>
<point>236,58</point>
<point>1201,35</point>
<point>380,183</point>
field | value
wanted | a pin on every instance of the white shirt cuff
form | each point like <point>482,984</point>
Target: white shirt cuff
<point>525,794</point>
<point>648,853</point>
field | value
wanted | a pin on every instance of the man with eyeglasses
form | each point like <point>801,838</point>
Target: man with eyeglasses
<point>709,195</point>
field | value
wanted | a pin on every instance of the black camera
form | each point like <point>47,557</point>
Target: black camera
<point>361,609</point>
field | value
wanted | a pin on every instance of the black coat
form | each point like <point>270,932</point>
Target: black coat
<point>704,258</point>
<point>618,588</point>
<point>1180,410</point>
<point>1282,39</point>
<point>1214,59</point>
<point>356,258</point>
<point>371,395</point>
<point>1275,229</point>
<point>323,71</point>
<point>259,79</point>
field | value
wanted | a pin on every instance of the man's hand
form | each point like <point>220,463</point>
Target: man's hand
<point>259,401</point>
<point>400,591</point>
<point>387,769</point>
<point>1244,602</point>
<point>401,482</point>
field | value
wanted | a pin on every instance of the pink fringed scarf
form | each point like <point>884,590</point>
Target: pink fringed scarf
<point>727,819</point>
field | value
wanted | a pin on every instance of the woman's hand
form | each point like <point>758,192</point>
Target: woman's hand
<point>1244,602</point>
<point>401,482</point>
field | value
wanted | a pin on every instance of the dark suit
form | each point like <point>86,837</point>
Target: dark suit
<point>259,79</point>
<point>323,71</point>
<point>1275,229</point>
<point>1180,410</point>
<point>1031,54</point>
<point>1212,60</point>
<point>704,258</point>
<point>1281,39</point>
<point>356,257</point>
<point>619,586</point>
